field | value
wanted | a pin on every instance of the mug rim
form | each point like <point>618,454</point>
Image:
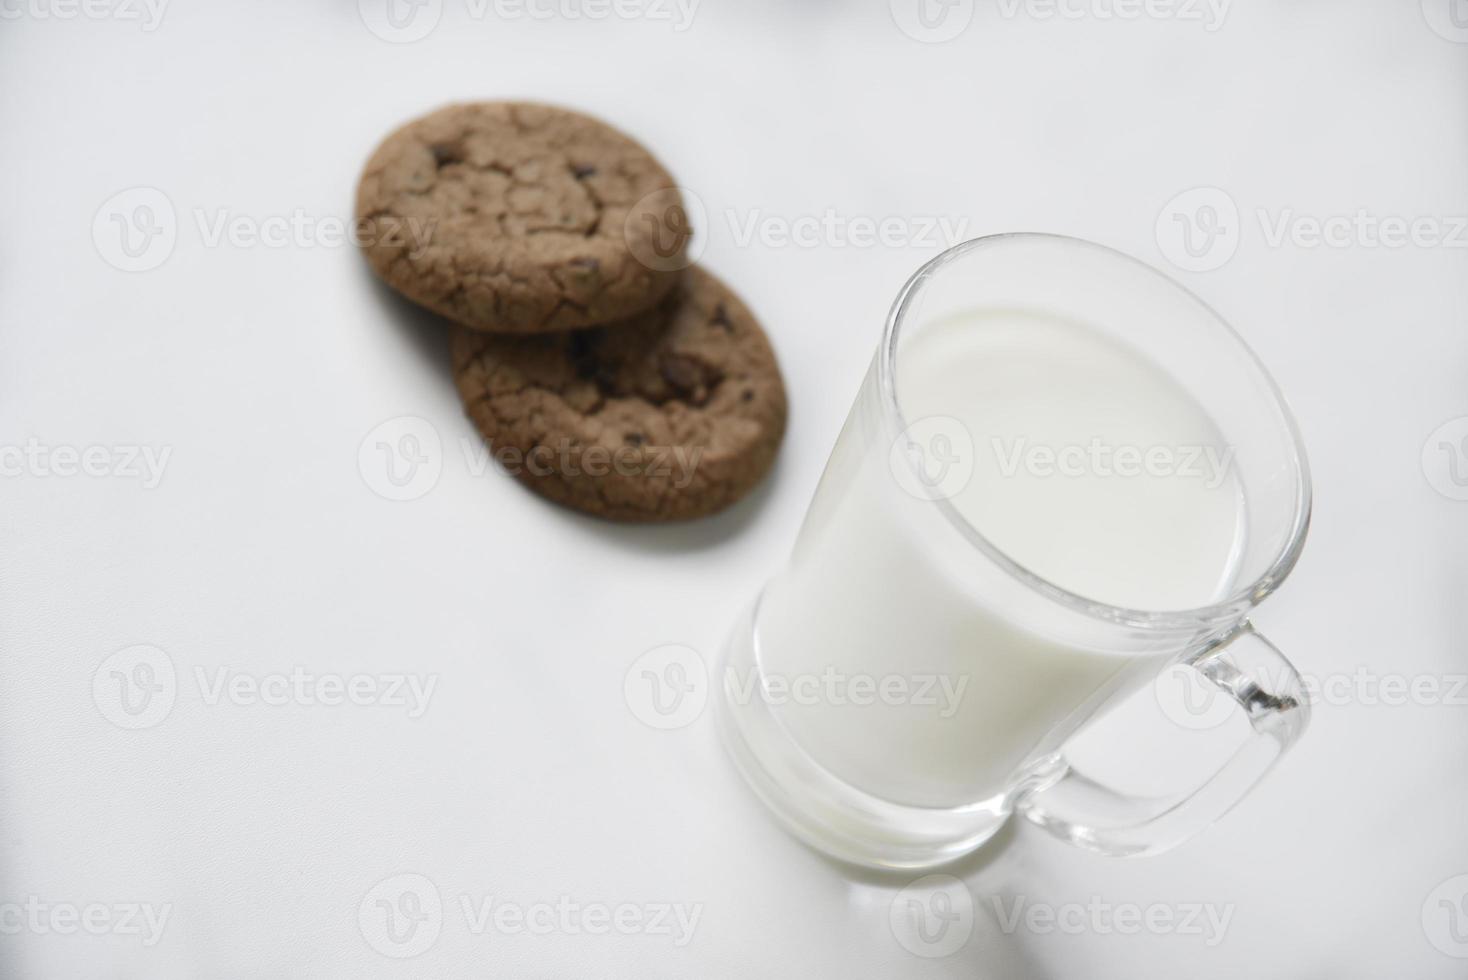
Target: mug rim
<point>1220,613</point>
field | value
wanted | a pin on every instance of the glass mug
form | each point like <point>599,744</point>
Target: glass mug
<point>904,684</point>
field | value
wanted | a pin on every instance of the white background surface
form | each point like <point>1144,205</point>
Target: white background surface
<point>263,548</point>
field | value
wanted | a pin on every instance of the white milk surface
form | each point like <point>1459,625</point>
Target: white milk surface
<point>1092,468</point>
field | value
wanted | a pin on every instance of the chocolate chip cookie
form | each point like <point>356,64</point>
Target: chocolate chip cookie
<point>672,414</point>
<point>520,218</point>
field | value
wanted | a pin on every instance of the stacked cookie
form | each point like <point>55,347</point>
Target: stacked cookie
<point>604,372</point>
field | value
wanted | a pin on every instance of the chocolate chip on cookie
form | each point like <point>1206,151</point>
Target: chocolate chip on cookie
<point>672,414</point>
<point>520,218</point>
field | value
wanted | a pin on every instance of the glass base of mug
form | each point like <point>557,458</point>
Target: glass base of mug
<point>828,813</point>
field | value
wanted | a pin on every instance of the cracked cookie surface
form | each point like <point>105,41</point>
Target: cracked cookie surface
<point>672,414</point>
<point>520,218</point>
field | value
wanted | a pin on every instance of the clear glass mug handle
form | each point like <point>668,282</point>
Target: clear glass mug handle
<point>1243,665</point>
